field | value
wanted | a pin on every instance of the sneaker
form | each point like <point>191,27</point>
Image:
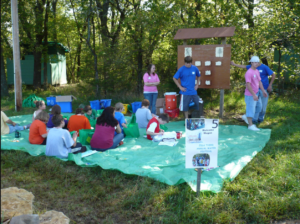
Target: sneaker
<point>27,126</point>
<point>244,117</point>
<point>253,128</point>
<point>121,143</point>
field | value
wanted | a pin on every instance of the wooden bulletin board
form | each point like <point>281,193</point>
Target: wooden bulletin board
<point>213,62</point>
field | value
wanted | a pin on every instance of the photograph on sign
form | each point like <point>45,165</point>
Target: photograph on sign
<point>201,159</point>
<point>219,52</point>
<point>188,51</point>
<point>197,63</point>
<point>201,142</point>
<point>207,63</point>
<point>207,72</point>
<point>207,82</point>
<point>194,124</point>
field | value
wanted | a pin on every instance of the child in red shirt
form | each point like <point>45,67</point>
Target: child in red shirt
<point>38,129</point>
<point>153,126</point>
<point>78,121</point>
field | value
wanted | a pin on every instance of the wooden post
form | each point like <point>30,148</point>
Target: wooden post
<point>16,55</point>
<point>199,171</point>
<point>221,109</point>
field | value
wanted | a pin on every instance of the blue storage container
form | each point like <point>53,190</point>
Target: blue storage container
<point>51,101</point>
<point>105,103</point>
<point>66,107</point>
<point>95,104</point>
<point>135,106</point>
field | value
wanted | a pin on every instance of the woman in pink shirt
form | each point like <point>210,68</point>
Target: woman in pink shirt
<point>151,80</point>
<point>104,137</point>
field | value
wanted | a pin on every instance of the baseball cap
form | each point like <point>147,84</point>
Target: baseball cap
<point>254,59</point>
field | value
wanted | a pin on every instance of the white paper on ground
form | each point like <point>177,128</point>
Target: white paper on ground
<point>168,143</point>
<point>88,153</point>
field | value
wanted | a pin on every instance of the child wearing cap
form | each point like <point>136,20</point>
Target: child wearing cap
<point>253,83</point>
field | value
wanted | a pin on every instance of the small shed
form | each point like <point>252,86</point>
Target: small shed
<point>56,66</point>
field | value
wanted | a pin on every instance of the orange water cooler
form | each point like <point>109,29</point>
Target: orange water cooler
<point>171,100</point>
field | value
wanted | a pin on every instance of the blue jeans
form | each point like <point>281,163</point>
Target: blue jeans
<point>15,128</point>
<point>261,107</point>
<point>116,141</point>
<point>251,106</point>
<point>152,97</point>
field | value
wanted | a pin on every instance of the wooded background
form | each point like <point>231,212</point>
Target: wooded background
<point>112,42</point>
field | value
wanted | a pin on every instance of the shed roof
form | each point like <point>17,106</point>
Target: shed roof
<point>198,33</point>
<point>52,43</point>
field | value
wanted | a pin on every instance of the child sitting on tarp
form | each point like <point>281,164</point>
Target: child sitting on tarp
<point>143,115</point>
<point>40,104</point>
<point>119,107</point>
<point>56,110</point>
<point>78,121</point>
<point>90,113</point>
<point>153,126</point>
<point>59,141</point>
<point>12,127</point>
<point>104,137</point>
<point>38,129</point>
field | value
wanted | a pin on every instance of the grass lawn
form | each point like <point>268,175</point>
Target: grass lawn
<point>267,189</point>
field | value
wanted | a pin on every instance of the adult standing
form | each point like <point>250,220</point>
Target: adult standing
<point>261,106</point>
<point>151,81</point>
<point>253,84</point>
<point>188,89</point>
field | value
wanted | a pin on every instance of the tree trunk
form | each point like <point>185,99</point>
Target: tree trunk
<point>280,90</point>
<point>4,88</point>
<point>37,73</point>
<point>140,62</point>
<point>54,3</point>
<point>78,59</point>
<point>37,52</point>
<point>45,57</point>
<point>95,59</point>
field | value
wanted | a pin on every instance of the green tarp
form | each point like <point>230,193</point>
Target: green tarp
<point>237,147</point>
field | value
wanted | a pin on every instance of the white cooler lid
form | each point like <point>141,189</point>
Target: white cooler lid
<point>170,93</point>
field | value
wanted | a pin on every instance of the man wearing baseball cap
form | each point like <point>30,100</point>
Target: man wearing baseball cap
<point>261,107</point>
<point>253,83</point>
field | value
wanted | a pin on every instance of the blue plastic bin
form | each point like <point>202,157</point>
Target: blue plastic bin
<point>95,104</point>
<point>51,101</point>
<point>66,107</point>
<point>135,106</point>
<point>105,103</point>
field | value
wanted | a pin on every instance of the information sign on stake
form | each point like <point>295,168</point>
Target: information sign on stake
<point>201,144</point>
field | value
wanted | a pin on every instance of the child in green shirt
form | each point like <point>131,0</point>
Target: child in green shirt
<point>90,113</point>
